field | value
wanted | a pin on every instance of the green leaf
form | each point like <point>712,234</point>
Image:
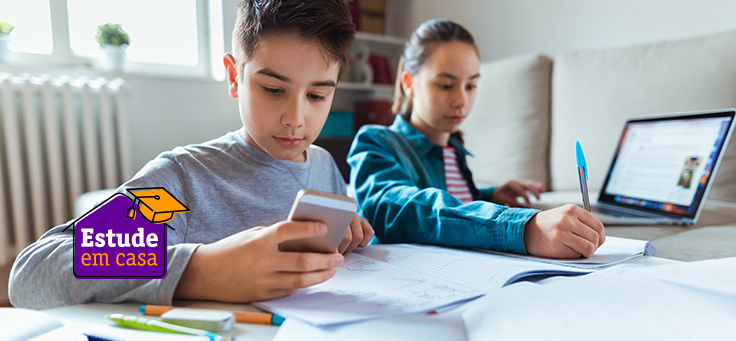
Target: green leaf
<point>111,34</point>
<point>6,27</point>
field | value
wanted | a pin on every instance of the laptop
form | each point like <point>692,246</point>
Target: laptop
<point>663,168</point>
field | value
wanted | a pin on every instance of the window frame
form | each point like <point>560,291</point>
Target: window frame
<point>63,57</point>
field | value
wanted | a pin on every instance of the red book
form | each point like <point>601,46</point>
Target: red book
<point>355,13</point>
<point>381,69</point>
<point>373,112</point>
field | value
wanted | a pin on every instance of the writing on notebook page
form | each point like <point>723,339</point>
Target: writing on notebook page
<point>365,288</point>
<point>486,272</point>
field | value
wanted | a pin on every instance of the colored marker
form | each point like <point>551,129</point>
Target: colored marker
<point>142,323</point>
<point>265,318</point>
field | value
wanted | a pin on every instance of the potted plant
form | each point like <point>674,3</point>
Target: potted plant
<point>5,28</point>
<point>113,41</point>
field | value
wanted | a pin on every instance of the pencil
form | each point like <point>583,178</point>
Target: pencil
<point>265,318</point>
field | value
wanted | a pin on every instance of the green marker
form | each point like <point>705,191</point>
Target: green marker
<point>142,323</point>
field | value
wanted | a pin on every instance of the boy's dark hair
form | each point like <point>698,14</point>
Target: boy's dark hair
<point>325,21</point>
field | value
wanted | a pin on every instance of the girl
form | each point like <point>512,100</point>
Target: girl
<point>412,181</point>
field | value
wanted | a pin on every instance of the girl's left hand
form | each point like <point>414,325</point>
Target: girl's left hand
<point>508,193</point>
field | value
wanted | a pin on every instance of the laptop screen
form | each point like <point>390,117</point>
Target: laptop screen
<point>665,164</point>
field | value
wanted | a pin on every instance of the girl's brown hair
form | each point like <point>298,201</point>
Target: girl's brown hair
<point>418,49</point>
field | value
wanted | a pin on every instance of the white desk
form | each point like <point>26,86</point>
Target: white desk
<point>95,312</point>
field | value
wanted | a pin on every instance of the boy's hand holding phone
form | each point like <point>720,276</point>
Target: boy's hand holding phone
<point>359,233</point>
<point>269,262</point>
<point>248,266</point>
<point>345,229</point>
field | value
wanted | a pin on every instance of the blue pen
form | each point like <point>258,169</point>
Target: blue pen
<point>582,174</point>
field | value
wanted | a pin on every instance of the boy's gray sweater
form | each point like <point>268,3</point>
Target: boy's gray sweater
<point>228,185</point>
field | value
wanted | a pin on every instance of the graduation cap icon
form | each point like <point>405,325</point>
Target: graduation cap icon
<point>156,204</point>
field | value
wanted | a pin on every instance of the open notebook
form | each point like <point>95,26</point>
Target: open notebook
<point>403,279</point>
<point>633,304</point>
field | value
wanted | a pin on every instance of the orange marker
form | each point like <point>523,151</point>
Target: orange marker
<point>265,318</point>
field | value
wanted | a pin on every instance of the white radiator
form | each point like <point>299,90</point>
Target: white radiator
<point>59,138</point>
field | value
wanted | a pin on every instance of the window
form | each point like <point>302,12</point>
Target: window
<point>165,32</point>
<point>167,36</point>
<point>32,19</point>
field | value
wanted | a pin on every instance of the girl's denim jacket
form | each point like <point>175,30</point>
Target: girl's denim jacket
<point>398,177</point>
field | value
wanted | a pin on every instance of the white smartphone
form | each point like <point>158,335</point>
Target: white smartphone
<point>336,211</point>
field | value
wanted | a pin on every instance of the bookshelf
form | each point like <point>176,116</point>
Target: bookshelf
<point>390,45</point>
<point>380,39</point>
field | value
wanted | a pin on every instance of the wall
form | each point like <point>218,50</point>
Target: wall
<point>505,28</point>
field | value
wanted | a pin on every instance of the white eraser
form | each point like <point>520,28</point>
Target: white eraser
<point>212,320</point>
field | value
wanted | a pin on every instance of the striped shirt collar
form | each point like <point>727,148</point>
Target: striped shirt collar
<point>422,143</point>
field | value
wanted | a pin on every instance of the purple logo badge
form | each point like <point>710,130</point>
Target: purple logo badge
<point>119,239</point>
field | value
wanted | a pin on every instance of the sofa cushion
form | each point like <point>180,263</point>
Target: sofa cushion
<point>507,130</point>
<point>595,91</point>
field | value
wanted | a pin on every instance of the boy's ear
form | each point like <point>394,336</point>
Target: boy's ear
<point>232,74</point>
<point>406,81</point>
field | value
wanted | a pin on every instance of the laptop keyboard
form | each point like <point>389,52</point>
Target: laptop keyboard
<point>615,213</point>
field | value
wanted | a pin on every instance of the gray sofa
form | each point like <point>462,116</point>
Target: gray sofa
<point>530,109</point>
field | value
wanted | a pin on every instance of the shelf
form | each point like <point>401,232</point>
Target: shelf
<point>380,38</point>
<point>365,87</point>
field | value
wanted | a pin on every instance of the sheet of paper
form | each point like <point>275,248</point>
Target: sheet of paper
<point>23,324</point>
<point>614,251</point>
<point>684,301</point>
<point>423,327</point>
<point>482,271</point>
<point>618,269</point>
<point>364,289</point>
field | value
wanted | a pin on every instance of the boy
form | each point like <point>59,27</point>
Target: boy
<point>288,58</point>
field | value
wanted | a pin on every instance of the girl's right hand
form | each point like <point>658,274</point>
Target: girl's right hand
<point>564,232</point>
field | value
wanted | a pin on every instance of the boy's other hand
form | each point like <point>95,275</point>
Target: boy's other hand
<point>248,266</point>
<point>359,233</point>
<point>564,232</point>
<point>510,191</point>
